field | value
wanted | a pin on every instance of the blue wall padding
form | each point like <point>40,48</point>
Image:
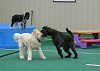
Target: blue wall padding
<point>6,34</point>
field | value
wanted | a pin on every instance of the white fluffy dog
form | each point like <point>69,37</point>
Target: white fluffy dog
<point>29,41</point>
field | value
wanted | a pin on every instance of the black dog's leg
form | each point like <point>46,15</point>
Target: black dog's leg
<point>67,51</point>
<point>73,49</point>
<point>58,45</point>
<point>24,25</point>
<point>12,23</point>
<point>21,24</point>
<point>60,52</point>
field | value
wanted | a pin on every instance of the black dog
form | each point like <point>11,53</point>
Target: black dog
<point>61,40</point>
<point>20,18</point>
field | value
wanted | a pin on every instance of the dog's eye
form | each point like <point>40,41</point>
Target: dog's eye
<point>44,29</point>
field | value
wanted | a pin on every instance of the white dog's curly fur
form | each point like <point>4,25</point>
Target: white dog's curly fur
<point>29,41</point>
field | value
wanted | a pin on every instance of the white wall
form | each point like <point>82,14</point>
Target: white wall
<point>84,14</point>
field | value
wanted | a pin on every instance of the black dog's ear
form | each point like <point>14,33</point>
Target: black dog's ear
<point>47,25</point>
<point>44,27</point>
<point>27,13</point>
<point>49,29</point>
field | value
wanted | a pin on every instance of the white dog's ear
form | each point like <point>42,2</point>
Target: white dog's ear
<point>37,33</point>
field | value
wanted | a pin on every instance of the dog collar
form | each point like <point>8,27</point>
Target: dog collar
<point>37,38</point>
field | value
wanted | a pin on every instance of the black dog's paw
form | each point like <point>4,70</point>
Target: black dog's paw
<point>75,57</point>
<point>67,56</point>
<point>61,57</point>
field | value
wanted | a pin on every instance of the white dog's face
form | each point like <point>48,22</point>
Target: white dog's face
<point>37,33</point>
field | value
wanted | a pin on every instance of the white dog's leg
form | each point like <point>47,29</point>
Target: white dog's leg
<point>29,53</point>
<point>41,53</point>
<point>21,51</point>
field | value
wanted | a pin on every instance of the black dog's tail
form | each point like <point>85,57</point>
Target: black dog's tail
<point>69,32</point>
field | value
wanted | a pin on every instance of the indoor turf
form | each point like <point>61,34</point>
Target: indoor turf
<point>90,55</point>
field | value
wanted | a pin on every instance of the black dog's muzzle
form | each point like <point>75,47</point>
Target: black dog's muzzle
<point>43,33</point>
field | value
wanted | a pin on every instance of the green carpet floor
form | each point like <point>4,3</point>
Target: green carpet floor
<point>90,55</point>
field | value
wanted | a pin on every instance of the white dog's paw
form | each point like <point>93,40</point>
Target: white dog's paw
<point>43,57</point>
<point>22,57</point>
<point>29,59</point>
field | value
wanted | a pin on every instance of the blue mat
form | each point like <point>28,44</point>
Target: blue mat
<point>6,34</point>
